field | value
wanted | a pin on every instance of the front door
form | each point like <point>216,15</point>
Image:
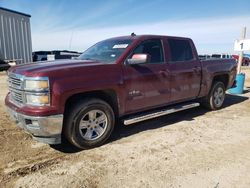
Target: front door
<point>147,85</point>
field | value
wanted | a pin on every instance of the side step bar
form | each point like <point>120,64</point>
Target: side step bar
<point>162,112</point>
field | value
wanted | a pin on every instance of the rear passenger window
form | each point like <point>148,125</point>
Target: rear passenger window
<point>180,50</point>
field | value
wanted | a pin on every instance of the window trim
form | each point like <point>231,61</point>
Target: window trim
<point>163,52</point>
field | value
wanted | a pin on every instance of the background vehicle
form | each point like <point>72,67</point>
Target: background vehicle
<point>204,57</point>
<point>58,54</point>
<point>245,60</point>
<point>4,65</point>
<point>130,78</point>
<point>224,56</point>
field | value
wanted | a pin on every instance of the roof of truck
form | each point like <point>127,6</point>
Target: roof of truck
<point>146,36</point>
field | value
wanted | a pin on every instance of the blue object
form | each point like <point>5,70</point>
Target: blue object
<point>240,79</point>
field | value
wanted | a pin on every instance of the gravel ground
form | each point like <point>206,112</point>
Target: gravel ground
<point>193,148</point>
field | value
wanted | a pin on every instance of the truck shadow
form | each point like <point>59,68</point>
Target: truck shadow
<point>122,131</point>
<point>247,90</point>
<point>187,115</point>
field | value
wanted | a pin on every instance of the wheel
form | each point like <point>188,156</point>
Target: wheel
<point>89,123</point>
<point>216,96</point>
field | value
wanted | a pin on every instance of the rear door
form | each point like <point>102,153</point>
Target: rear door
<point>185,70</point>
<point>147,85</point>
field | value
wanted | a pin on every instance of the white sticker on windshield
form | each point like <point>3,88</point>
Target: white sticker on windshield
<point>120,46</point>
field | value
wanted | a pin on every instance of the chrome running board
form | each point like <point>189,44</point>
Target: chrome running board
<point>159,113</point>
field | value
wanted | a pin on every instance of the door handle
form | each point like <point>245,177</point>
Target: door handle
<point>164,73</point>
<point>196,69</point>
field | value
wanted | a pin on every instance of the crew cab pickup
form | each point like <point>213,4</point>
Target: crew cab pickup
<point>124,79</point>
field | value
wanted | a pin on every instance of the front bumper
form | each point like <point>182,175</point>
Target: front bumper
<point>46,129</point>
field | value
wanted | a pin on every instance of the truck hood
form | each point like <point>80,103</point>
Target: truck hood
<point>48,67</point>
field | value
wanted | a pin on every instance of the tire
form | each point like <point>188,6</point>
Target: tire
<point>89,123</point>
<point>216,96</point>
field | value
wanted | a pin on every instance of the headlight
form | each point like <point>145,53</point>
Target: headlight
<point>37,100</point>
<point>37,91</point>
<point>36,84</point>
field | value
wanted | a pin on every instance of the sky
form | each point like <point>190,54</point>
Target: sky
<point>77,24</point>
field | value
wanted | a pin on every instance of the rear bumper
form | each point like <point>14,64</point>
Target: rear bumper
<point>47,129</point>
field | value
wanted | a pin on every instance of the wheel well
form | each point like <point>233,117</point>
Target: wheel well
<point>108,96</point>
<point>222,78</point>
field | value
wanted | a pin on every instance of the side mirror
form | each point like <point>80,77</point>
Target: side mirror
<point>139,59</point>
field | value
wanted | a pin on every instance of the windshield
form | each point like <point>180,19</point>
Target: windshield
<point>107,51</point>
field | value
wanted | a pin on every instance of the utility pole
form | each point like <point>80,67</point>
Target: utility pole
<point>243,36</point>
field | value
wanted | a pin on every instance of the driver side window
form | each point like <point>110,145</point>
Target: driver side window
<point>151,47</point>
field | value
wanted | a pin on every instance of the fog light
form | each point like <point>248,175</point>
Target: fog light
<point>34,125</point>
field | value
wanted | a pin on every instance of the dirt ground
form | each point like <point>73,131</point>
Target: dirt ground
<point>193,148</point>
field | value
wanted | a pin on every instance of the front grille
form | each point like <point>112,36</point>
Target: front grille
<point>17,96</point>
<point>15,87</point>
<point>15,81</point>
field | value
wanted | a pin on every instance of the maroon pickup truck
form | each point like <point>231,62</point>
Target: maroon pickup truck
<point>128,79</point>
